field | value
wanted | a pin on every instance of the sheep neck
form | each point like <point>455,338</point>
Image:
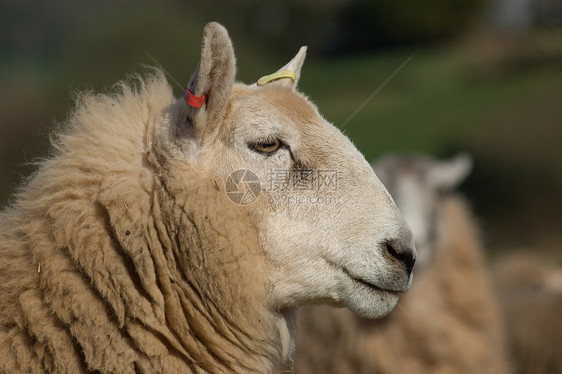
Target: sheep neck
<point>214,272</point>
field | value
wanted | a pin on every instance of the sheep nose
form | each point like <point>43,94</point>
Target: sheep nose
<point>404,253</point>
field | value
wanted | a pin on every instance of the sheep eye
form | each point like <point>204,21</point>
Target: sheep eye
<point>269,146</point>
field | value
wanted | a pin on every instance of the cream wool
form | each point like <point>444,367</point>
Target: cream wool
<point>110,252</point>
<point>530,290</point>
<point>124,254</point>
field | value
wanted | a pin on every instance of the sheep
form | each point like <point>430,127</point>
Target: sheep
<point>521,270</point>
<point>149,241</point>
<point>530,293</point>
<point>449,322</point>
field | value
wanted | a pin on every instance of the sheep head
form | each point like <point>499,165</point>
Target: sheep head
<point>309,210</point>
<point>418,184</point>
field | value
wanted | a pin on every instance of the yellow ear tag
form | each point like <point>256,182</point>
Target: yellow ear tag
<point>279,75</point>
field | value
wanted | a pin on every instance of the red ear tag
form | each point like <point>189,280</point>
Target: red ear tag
<point>191,99</point>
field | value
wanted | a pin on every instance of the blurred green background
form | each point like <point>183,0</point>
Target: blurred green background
<point>485,78</point>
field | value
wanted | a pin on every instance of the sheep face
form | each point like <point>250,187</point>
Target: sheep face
<point>322,235</point>
<point>417,184</point>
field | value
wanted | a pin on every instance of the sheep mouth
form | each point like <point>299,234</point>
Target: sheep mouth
<point>368,285</point>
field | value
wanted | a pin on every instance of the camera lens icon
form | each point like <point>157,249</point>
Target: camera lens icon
<point>242,187</point>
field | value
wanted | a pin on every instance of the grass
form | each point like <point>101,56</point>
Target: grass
<point>430,106</point>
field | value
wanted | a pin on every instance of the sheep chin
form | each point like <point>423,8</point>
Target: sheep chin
<point>370,302</point>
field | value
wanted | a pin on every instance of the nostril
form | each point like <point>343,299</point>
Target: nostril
<point>402,253</point>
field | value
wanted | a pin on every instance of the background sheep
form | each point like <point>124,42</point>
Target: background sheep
<point>124,254</point>
<point>449,322</point>
<point>530,292</point>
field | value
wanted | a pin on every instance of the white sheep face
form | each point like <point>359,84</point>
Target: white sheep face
<point>342,242</point>
<point>417,184</point>
<point>319,238</point>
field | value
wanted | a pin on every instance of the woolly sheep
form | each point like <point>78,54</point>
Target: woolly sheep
<point>530,292</point>
<point>449,321</point>
<point>522,270</point>
<point>126,252</point>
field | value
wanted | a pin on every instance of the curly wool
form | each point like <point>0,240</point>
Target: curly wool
<point>107,260</point>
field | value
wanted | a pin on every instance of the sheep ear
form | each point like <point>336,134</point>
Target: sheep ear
<point>213,79</point>
<point>288,75</point>
<point>449,174</point>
